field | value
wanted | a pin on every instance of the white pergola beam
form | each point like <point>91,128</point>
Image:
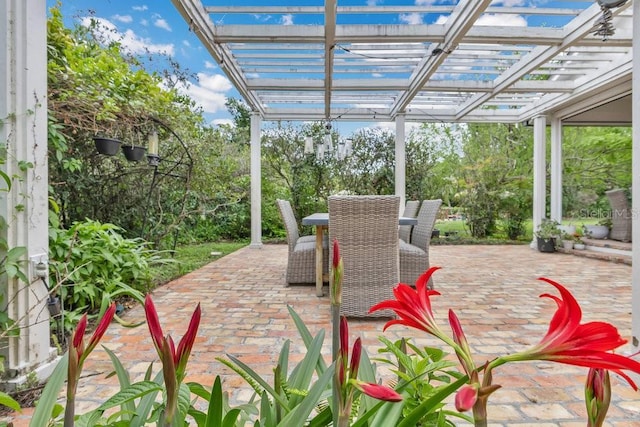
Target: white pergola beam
<point>460,22</point>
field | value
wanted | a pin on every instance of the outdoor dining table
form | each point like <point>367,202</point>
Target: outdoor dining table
<point>321,221</point>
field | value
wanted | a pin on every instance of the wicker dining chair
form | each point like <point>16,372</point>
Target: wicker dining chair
<point>410,211</point>
<point>366,228</point>
<point>414,256</point>
<point>620,215</point>
<point>301,261</point>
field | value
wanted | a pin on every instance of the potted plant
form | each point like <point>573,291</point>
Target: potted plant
<point>567,241</point>
<point>598,231</point>
<point>578,243</point>
<point>546,235</point>
<point>107,146</point>
<point>133,153</point>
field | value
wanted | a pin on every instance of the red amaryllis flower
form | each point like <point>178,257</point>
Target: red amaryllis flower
<point>570,342</point>
<point>78,335</point>
<point>466,397</point>
<point>78,354</point>
<point>180,357</point>
<point>347,381</point>
<point>413,306</point>
<point>463,351</point>
<point>597,396</point>
<point>378,391</point>
<point>337,270</point>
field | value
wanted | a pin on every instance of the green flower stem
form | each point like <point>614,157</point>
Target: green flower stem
<point>335,340</point>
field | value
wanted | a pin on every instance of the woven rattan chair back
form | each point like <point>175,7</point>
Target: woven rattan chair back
<point>620,215</point>
<point>366,228</point>
<point>421,234</point>
<point>410,211</point>
<point>290,222</point>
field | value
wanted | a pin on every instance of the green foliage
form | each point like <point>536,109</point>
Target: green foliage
<point>548,229</point>
<point>425,373</point>
<point>91,261</point>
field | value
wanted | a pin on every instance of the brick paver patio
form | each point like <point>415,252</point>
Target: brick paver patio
<point>493,289</point>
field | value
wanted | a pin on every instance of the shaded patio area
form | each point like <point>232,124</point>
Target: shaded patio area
<point>492,289</point>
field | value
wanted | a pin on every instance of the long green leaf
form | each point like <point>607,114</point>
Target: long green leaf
<point>411,420</point>
<point>146,403</point>
<point>260,381</point>
<point>134,391</point>
<point>387,415</point>
<point>298,416</point>
<point>214,413</point>
<point>306,336</point>
<point>301,378</point>
<point>42,413</point>
<point>231,417</point>
<point>7,401</point>
<point>123,378</point>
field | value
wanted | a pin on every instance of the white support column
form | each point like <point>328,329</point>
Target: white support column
<point>23,133</point>
<point>539,172</point>
<point>256,183</point>
<point>556,169</point>
<point>401,160</point>
<point>635,237</point>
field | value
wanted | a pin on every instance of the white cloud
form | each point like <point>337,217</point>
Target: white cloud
<point>144,22</point>
<point>411,18</point>
<point>140,8</point>
<point>220,122</point>
<point>162,23</point>
<point>372,2</point>
<point>287,20</point>
<point>209,65</point>
<point>208,92</point>
<point>508,3</point>
<point>502,20</point>
<point>107,32</point>
<point>123,18</point>
<point>186,43</point>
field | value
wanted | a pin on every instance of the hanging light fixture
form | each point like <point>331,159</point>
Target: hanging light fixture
<point>603,25</point>
<point>328,141</point>
<point>308,145</point>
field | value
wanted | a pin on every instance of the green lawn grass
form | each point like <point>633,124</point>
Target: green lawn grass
<point>191,257</point>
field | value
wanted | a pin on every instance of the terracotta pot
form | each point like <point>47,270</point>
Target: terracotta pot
<point>107,146</point>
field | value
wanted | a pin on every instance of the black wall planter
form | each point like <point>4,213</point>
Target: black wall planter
<point>133,153</point>
<point>107,146</point>
<point>546,245</point>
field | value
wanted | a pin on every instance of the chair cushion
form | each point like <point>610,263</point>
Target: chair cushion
<point>303,246</point>
<point>409,249</point>
<point>307,239</point>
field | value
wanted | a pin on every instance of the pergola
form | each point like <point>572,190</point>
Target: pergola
<point>453,61</point>
<point>456,62</point>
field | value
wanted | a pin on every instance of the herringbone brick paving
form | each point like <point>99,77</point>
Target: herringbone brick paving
<point>493,289</point>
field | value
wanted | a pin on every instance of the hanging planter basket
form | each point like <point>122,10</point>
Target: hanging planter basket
<point>133,153</point>
<point>107,146</point>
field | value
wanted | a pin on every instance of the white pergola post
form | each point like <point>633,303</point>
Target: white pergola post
<point>556,169</point>
<point>23,133</point>
<point>401,160</point>
<point>256,183</point>
<point>539,172</point>
<point>635,168</point>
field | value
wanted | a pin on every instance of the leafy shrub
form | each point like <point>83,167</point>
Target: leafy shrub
<point>92,261</point>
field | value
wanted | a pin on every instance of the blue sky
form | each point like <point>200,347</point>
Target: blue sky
<point>158,27</point>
